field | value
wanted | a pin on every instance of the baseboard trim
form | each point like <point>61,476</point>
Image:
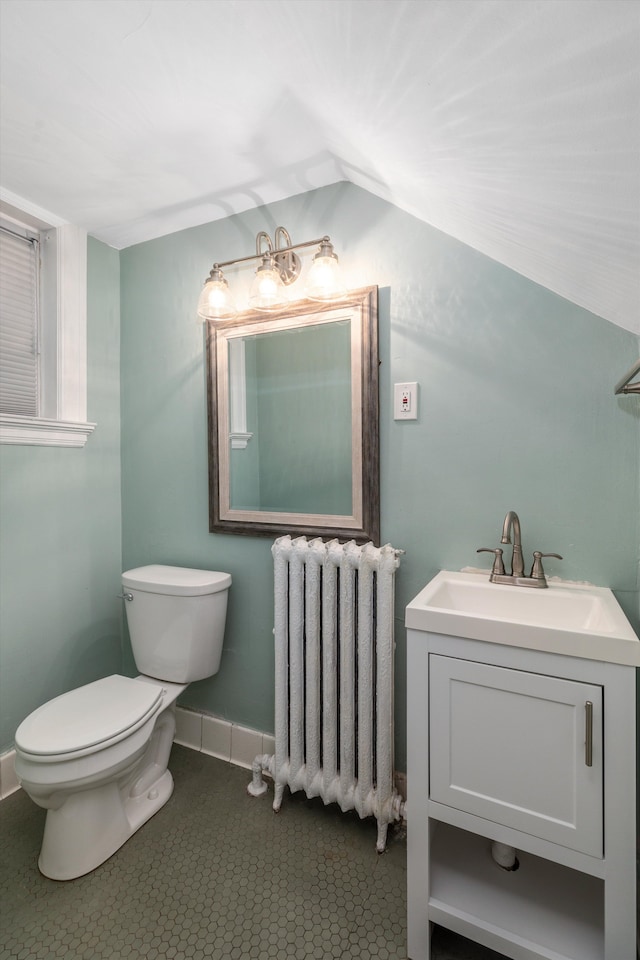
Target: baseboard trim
<point>219,738</point>
<point>8,779</point>
<point>234,743</point>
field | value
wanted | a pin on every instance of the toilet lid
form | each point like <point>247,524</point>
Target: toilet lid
<point>175,581</point>
<point>88,716</point>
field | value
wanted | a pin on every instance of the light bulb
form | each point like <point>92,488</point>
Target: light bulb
<point>323,280</point>
<point>267,291</point>
<point>216,302</point>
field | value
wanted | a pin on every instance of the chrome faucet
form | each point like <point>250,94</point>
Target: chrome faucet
<point>512,520</point>
<point>516,578</point>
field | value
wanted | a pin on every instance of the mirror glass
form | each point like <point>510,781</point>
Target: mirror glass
<point>293,420</point>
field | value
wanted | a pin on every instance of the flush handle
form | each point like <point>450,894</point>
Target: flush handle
<point>588,741</point>
<point>125,596</point>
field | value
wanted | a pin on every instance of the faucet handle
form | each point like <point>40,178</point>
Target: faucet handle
<point>537,573</point>
<point>498,565</point>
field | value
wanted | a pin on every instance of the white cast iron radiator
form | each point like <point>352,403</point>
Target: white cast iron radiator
<point>334,677</point>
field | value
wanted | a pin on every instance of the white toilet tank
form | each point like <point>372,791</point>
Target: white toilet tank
<point>176,620</point>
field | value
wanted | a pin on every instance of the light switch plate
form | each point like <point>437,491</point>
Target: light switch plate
<point>405,401</point>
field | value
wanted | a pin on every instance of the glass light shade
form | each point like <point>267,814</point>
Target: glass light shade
<point>267,290</point>
<point>216,302</point>
<point>324,281</point>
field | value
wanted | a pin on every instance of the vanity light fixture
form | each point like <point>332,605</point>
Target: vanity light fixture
<point>279,267</point>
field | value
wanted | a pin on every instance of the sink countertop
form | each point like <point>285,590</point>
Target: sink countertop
<point>574,619</point>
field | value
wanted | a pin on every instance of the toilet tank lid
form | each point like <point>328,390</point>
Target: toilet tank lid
<point>88,716</point>
<point>176,581</point>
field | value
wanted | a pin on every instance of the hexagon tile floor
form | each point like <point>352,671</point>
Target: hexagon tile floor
<point>215,875</point>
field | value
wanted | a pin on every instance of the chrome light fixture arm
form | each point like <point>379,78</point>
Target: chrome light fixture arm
<point>275,251</point>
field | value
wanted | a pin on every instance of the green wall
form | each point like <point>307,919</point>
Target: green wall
<point>60,512</point>
<point>516,412</point>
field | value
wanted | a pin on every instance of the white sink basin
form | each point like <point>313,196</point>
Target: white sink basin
<point>567,618</point>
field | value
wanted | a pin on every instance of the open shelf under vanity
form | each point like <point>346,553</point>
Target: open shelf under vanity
<point>514,910</point>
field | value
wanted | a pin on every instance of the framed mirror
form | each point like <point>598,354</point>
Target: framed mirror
<point>293,420</point>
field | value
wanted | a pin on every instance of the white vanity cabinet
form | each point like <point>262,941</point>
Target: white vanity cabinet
<point>535,750</point>
<point>521,749</point>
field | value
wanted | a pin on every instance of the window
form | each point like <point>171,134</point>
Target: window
<point>44,359</point>
<point>19,309</point>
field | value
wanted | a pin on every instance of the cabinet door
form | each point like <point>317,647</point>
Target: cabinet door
<point>520,749</point>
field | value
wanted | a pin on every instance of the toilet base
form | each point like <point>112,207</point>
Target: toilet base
<point>91,825</point>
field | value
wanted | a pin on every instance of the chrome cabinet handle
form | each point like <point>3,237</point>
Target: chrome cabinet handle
<point>125,596</point>
<point>588,742</point>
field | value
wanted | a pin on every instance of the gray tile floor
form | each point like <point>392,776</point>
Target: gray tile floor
<point>215,874</point>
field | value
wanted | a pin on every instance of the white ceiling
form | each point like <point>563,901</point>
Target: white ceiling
<point>513,125</point>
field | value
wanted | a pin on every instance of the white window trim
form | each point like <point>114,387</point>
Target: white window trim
<point>70,427</point>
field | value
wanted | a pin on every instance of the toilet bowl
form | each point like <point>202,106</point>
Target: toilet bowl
<point>96,757</point>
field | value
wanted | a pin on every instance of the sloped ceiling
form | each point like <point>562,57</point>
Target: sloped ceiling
<point>513,125</point>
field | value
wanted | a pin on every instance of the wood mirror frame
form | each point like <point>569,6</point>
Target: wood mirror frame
<point>229,429</point>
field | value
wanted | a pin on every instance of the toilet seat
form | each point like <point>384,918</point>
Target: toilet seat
<point>88,719</point>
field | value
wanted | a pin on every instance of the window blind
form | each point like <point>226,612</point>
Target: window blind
<point>18,324</point>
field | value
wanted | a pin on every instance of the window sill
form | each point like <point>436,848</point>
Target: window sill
<point>38,432</point>
<point>239,440</point>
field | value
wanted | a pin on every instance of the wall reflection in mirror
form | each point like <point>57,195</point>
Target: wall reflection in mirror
<point>293,420</point>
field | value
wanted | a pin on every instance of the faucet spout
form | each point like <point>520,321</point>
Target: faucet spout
<point>511,528</point>
<point>512,522</point>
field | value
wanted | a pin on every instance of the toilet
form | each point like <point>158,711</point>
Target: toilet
<point>96,758</point>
